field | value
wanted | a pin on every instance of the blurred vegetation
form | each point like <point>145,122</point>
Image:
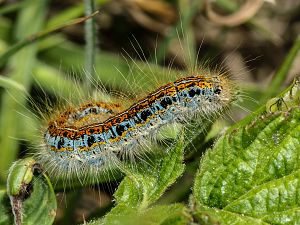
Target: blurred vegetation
<point>43,46</point>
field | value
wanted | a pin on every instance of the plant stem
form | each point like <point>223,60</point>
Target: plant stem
<point>90,38</point>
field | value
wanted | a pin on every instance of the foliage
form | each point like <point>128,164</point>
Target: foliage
<point>250,175</point>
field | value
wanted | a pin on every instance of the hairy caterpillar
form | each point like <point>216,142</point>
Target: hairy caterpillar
<point>94,135</point>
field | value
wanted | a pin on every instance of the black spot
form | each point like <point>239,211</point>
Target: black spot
<point>165,102</point>
<point>60,143</point>
<point>92,130</point>
<point>217,91</point>
<point>120,129</point>
<point>65,134</point>
<point>93,110</point>
<point>197,91</point>
<point>174,99</point>
<point>192,93</point>
<point>145,114</point>
<point>203,92</point>
<point>90,140</point>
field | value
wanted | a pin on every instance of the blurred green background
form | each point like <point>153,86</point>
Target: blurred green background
<point>42,46</point>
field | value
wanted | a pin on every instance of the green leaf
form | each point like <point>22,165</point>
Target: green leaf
<point>162,214</point>
<point>20,67</point>
<point>31,195</point>
<point>20,175</point>
<point>283,71</point>
<point>8,83</point>
<point>145,182</point>
<point>5,211</point>
<point>253,169</point>
<point>272,201</point>
<point>213,216</point>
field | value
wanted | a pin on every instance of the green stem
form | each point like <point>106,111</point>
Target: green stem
<point>90,38</point>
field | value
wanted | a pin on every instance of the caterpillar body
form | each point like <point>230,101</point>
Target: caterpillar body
<point>94,135</point>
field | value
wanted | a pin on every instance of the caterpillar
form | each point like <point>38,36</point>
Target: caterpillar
<point>94,135</point>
